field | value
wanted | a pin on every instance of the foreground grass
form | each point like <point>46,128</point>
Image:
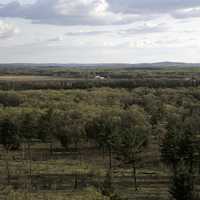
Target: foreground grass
<point>54,177</point>
<point>86,194</point>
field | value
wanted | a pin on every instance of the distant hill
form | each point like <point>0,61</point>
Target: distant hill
<point>103,65</point>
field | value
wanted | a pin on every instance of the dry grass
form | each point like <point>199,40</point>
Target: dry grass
<point>86,194</point>
<point>28,78</point>
<point>53,179</point>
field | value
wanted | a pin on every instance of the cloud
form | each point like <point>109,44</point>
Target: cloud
<point>145,28</point>
<point>98,12</point>
<point>7,30</point>
<point>88,33</point>
<point>56,39</point>
<point>187,13</point>
<point>66,12</point>
<point>151,6</point>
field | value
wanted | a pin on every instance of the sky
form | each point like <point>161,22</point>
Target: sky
<point>99,31</point>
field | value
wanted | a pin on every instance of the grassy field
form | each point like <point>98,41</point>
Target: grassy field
<point>53,175</point>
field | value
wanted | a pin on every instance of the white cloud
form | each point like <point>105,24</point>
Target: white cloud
<point>141,28</point>
<point>7,30</point>
<point>81,7</point>
<point>88,33</point>
<point>187,13</point>
<point>145,28</point>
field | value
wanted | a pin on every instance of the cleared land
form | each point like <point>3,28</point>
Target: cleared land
<point>29,78</point>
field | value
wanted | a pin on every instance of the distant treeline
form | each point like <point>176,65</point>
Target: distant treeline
<point>85,84</point>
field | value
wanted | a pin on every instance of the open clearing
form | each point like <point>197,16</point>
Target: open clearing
<point>28,78</point>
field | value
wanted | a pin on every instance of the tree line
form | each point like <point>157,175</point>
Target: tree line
<point>91,83</point>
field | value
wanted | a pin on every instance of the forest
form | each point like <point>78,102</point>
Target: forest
<point>67,135</point>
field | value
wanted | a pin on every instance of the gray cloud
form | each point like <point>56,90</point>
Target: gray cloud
<point>66,12</point>
<point>98,12</point>
<point>151,6</point>
<point>56,39</point>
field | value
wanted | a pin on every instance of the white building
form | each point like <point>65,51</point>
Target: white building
<point>99,77</point>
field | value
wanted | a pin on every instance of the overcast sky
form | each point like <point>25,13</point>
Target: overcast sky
<point>90,31</point>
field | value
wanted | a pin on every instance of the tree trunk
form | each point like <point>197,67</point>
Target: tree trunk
<point>174,167</point>
<point>67,145</point>
<point>110,158</point>
<point>199,166</point>
<point>7,167</point>
<point>80,156</point>
<point>51,148</point>
<point>23,151</point>
<point>76,145</point>
<point>103,153</point>
<point>30,162</point>
<point>191,165</point>
<point>75,181</point>
<point>134,174</point>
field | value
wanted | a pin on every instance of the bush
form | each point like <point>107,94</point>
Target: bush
<point>182,186</point>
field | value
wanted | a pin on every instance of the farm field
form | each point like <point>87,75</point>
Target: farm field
<point>27,78</point>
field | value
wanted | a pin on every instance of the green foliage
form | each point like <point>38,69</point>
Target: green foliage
<point>9,135</point>
<point>132,137</point>
<point>178,152</point>
<point>47,123</point>
<point>107,188</point>
<point>182,186</point>
<point>133,134</point>
<point>10,99</point>
<point>104,128</point>
<point>177,145</point>
<point>28,124</point>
